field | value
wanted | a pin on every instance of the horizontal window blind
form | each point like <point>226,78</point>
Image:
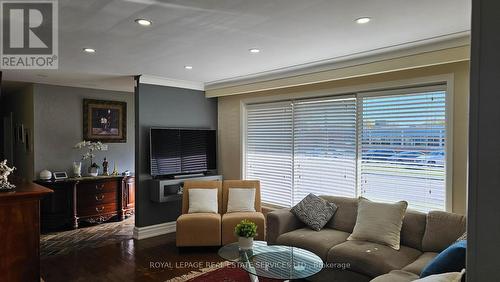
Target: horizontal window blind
<point>269,151</point>
<point>387,147</point>
<point>402,149</point>
<point>324,147</point>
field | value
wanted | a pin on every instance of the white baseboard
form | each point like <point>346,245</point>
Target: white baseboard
<point>154,230</point>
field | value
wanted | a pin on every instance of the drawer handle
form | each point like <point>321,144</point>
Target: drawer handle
<point>99,197</point>
<point>99,187</point>
<point>99,209</point>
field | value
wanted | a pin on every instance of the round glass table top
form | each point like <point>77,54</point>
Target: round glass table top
<point>275,261</point>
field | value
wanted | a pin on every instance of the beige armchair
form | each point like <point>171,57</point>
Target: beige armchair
<point>199,229</point>
<point>230,220</point>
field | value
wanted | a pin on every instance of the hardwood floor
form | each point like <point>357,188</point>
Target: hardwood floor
<point>153,259</point>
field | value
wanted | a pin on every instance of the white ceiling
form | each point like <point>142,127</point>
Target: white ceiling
<point>214,36</point>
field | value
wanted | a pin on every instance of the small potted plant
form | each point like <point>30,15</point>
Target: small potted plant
<point>246,230</point>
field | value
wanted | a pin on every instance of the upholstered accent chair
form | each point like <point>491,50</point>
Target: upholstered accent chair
<point>199,229</point>
<point>230,220</point>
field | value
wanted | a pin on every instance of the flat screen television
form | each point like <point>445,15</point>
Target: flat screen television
<point>182,151</point>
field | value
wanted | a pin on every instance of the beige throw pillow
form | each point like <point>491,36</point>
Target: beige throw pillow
<point>203,201</point>
<point>241,200</point>
<point>379,222</point>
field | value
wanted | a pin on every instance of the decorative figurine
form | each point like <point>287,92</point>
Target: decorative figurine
<point>105,167</point>
<point>5,171</point>
<point>115,170</point>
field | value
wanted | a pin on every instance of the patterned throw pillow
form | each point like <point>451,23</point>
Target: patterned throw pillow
<point>463,237</point>
<point>314,211</point>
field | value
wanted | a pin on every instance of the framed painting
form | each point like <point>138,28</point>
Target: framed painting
<point>104,121</point>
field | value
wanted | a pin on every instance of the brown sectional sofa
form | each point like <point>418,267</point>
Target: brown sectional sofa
<point>423,236</point>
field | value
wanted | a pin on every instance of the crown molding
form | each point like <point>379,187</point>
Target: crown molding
<point>171,82</point>
<point>448,41</point>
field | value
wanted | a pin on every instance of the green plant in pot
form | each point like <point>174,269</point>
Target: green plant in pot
<point>246,230</point>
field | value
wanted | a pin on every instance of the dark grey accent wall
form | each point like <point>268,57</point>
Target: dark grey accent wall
<point>484,139</point>
<point>19,102</point>
<point>160,106</point>
<point>59,126</point>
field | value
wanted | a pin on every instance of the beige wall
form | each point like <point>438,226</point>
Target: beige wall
<point>229,116</point>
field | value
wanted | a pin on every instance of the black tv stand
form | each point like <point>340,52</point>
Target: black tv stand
<point>169,190</point>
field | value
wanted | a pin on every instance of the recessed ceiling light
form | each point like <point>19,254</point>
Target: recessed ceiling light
<point>89,50</point>
<point>363,20</point>
<point>188,67</point>
<point>144,22</point>
<point>254,50</point>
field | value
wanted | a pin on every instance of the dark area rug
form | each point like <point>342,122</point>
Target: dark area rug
<point>226,272</point>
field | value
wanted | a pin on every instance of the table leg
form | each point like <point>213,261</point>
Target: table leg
<point>253,278</point>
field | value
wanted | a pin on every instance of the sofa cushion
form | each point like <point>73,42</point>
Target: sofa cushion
<point>190,224</point>
<point>421,262</point>
<point>450,260</point>
<point>372,259</point>
<point>396,276</point>
<point>314,211</point>
<point>317,242</point>
<point>379,222</point>
<point>442,229</point>
<point>344,218</point>
<point>444,277</point>
<point>279,222</point>
<point>413,229</point>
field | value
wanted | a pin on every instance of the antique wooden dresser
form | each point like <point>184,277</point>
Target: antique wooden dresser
<point>77,201</point>
<point>20,232</point>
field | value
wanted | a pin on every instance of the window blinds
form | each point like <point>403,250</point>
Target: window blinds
<point>324,147</point>
<point>383,146</point>
<point>269,151</point>
<point>402,149</point>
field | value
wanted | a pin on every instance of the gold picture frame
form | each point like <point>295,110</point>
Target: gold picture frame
<point>105,121</point>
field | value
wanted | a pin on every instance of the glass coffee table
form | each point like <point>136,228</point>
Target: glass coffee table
<point>275,261</point>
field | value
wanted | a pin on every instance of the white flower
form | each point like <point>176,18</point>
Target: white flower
<point>91,147</point>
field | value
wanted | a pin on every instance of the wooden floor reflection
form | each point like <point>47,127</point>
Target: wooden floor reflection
<point>153,259</point>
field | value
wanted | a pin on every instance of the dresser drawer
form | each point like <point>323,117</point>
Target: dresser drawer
<point>97,187</point>
<point>90,200</point>
<point>97,209</point>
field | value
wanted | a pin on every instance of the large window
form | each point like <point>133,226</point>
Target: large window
<point>385,146</point>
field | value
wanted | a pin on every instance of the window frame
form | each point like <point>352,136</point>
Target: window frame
<point>446,81</point>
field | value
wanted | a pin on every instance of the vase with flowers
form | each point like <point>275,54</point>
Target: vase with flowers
<point>91,147</point>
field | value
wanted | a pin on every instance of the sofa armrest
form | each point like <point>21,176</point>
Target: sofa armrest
<point>279,222</point>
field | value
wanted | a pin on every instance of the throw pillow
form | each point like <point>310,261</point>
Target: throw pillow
<point>463,237</point>
<point>241,200</point>
<point>452,259</point>
<point>314,211</point>
<point>444,277</point>
<point>203,200</point>
<point>379,222</point>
